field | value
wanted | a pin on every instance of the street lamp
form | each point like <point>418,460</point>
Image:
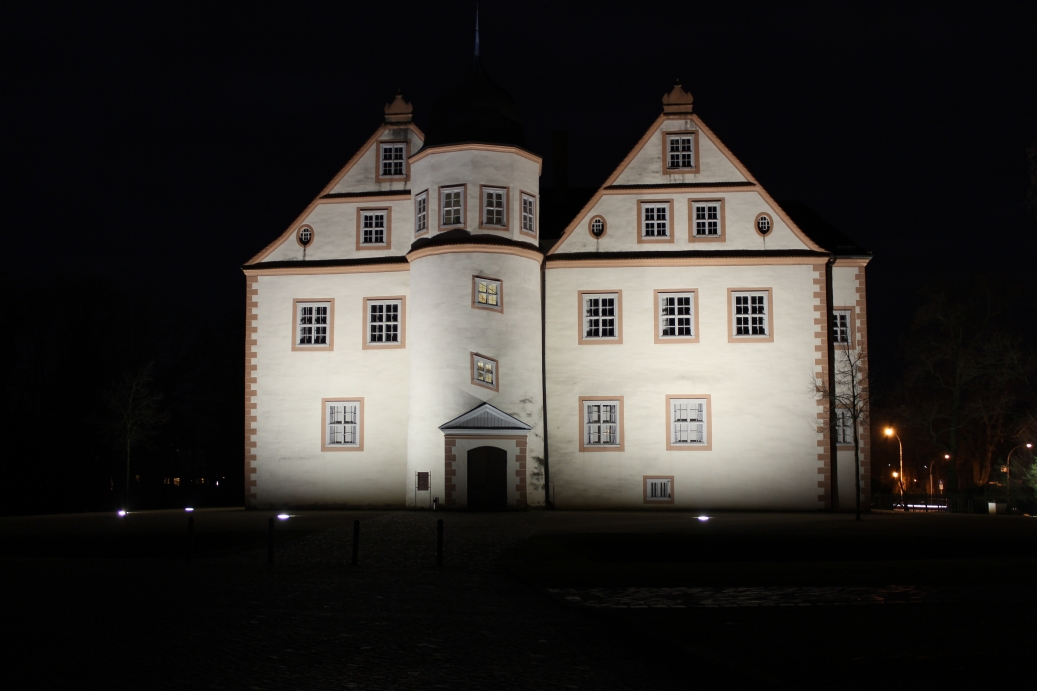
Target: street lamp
<point>1008,470</point>
<point>891,433</point>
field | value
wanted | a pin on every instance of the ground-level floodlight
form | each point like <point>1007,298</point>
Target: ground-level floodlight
<point>122,513</point>
<point>703,518</point>
<point>283,516</point>
<point>189,509</point>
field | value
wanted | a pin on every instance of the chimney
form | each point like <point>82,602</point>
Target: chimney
<point>561,159</point>
<point>398,111</point>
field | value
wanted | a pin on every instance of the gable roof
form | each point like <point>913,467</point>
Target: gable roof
<point>485,418</point>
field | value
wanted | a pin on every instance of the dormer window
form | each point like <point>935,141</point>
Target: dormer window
<point>494,208</point>
<point>681,152</point>
<point>393,160</point>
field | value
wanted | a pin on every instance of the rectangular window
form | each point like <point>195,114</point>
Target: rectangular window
<point>681,154</point>
<point>421,213</point>
<point>394,159</point>
<point>658,490</point>
<point>342,424</point>
<point>384,321</point>
<point>689,424</point>
<point>484,372</point>
<point>750,311</point>
<point>675,316</point>
<point>452,205</point>
<point>601,317</point>
<point>843,427</point>
<point>313,324</point>
<point>494,207</point>
<point>707,219</point>
<point>374,229</point>
<point>602,424</point>
<point>529,226</point>
<point>655,220</point>
<point>841,326</point>
<point>487,293</point>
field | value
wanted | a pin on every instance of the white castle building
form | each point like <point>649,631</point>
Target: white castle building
<point>415,336</point>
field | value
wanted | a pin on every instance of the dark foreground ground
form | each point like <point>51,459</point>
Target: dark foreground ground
<point>537,599</point>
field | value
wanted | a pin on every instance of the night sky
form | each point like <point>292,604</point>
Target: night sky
<point>161,147</point>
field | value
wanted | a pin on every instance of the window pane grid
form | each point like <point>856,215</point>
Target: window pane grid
<point>343,424</point>
<point>313,325</point>
<point>485,371</point>
<point>487,293</point>
<point>707,220</point>
<point>841,327</point>
<point>687,421</point>
<point>658,489</point>
<point>655,222</point>
<point>843,427</point>
<point>373,226</point>
<point>676,317</point>
<point>421,214</point>
<point>750,314</point>
<point>493,208</point>
<point>681,152</point>
<point>452,207</point>
<point>392,160</point>
<point>384,322</point>
<point>528,214</point>
<point>601,424</point>
<point>599,317</point>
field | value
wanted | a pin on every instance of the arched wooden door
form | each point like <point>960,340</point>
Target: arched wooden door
<point>487,478</point>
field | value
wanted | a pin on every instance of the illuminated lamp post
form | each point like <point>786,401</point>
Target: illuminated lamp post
<point>891,433</point>
<point>1008,468</point>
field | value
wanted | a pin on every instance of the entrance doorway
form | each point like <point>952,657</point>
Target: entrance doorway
<point>487,478</point>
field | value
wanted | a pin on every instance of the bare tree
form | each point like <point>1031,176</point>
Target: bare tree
<point>135,412</point>
<point>851,398</point>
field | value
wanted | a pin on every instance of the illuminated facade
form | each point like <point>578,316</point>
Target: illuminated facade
<point>414,335</point>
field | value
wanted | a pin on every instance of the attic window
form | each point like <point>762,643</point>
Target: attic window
<point>304,236</point>
<point>764,224</point>
<point>681,152</point>
<point>598,227</point>
<point>393,160</point>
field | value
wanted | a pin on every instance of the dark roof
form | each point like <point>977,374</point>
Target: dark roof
<point>373,193</point>
<point>463,237</point>
<point>774,254</point>
<point>680,185</point>
<point>476,110</point>
<point>821,231</point>
<point>294,264</point>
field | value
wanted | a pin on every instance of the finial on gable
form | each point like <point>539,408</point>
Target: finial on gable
<point>677,101</point>
<point>399,110</point>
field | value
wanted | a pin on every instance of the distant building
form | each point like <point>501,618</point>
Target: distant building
<point>417,334</point>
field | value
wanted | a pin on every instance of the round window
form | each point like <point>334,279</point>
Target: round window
<point>763,224</point>
<point>597,227</point>
<point>305,235</point>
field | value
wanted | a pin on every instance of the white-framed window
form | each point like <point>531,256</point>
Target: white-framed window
<point>688,422</point>
<point>383,321</point>
<point>676,315</point>
<point>600,315</point>
<point>601,423</point>
<point>843,427</point>
<point>452,205</point>
<point>342,424</point>
<point>421,213</point>
<point>655,220</point>
<point>680,151</point>
<point>751,313</point>
<point>394,159</point>
<point>484,371</point>
<point>707,218</point>
<point>494,207</point>
<point>841,326</point>
<point>312,321</point>
<point>529,217</point>
<point>658,490</point>
<point>487,293</point>
<point>372,227</point>
<point>764,224</point>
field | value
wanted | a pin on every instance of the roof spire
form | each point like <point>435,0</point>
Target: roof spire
<point>477,30</point>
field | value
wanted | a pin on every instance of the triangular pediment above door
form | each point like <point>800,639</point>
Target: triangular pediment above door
<point>485,419</point>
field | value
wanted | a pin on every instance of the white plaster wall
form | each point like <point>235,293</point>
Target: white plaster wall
<point>461,449</point>
<point>475,168</point>
<point>291,468</point>
<point>361,177</point>
<point>443,331</point>
<point>764,448</point>
<point>740,209</point>
<point>335,228</point>
<point>646,168</point>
